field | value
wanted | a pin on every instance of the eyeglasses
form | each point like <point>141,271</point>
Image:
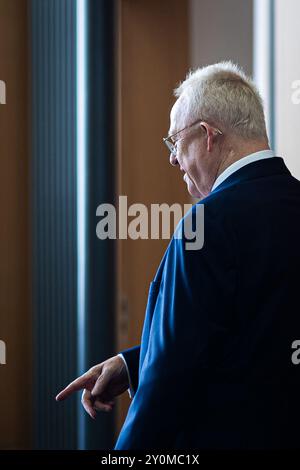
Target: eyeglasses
<point>169,141</point>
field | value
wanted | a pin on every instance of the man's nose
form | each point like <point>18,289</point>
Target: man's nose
<point>173,159</point>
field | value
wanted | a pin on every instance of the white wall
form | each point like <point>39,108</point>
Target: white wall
<point>240,30</point>
<point>221,30</point>
<point>287,70</point>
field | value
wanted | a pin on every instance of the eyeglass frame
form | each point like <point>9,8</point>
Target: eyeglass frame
<point>171,145</point>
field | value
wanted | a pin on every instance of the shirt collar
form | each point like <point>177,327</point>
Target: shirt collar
<point>253,157</point>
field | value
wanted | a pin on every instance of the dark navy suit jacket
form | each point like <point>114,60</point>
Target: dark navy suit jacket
<point>214,368</point>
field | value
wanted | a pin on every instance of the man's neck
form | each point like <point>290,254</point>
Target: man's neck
<point>233,156</point>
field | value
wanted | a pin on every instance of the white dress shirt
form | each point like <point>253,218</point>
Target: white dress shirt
<point>253,157</point>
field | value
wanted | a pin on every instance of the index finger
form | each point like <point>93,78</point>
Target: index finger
<point>77,384</point>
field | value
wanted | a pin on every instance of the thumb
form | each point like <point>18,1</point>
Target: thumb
<point>101,384</point>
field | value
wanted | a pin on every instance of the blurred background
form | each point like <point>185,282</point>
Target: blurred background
<point>88,90</point>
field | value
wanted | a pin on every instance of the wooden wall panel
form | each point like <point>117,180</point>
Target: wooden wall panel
<point>15,327</point>
<point>153,57</point>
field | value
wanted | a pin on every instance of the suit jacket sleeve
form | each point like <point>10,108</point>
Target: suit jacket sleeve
<point>190,323</point>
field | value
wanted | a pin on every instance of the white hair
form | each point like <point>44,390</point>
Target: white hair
<point>223,95</point>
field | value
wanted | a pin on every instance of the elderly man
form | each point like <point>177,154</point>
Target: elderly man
<point>214,368</point>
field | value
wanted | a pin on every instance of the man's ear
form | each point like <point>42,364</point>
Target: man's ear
<point>209,131</point>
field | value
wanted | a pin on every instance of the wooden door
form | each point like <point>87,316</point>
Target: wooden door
<point>152,58</point>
